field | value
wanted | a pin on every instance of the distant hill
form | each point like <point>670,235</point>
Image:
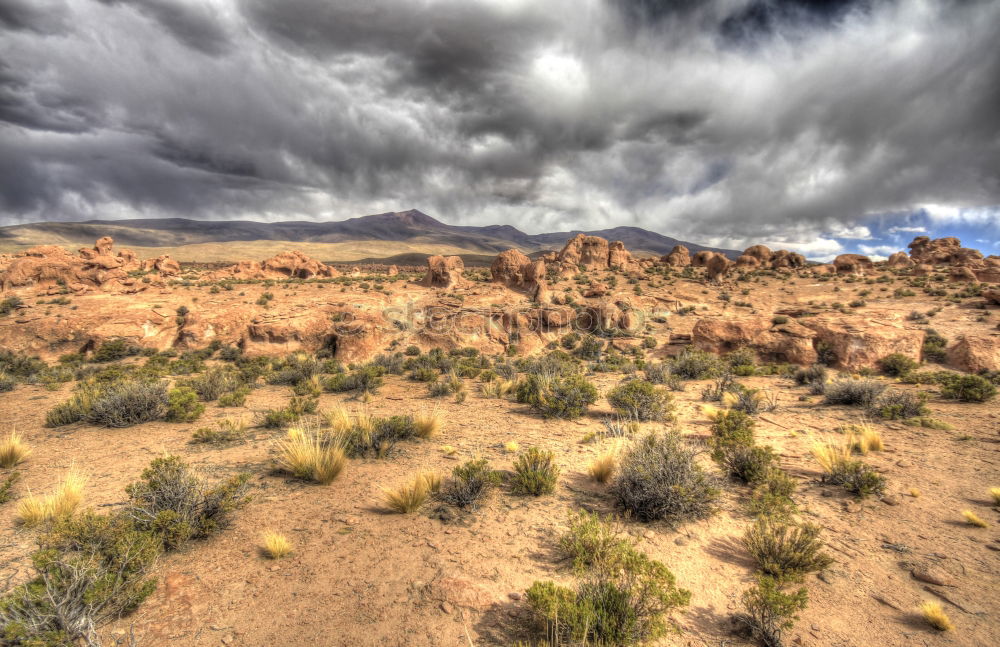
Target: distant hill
<point>411,233</point>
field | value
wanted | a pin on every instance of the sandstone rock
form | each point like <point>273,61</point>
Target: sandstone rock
<point>790,342</point>
<point>974,353</point>
<point>922,269</point>
<point>164,265</point>
<point>508,268</point>
<point>679,256</point>
<point>294,264</point>
<point>992,295</point>
<point>899,259</point>
<point>942,251</point>
<point>444,272</point>
<point>620,258</point>
<point>853,264</point>
<point>717,267</point>
<point>932,575</point>
<point>589,251</point>
<point>784,258</point>
<point>103,246</point>
<point>962,274</point>
<point>702,258</point>
<point>747,262</point>
<point>822,270</point>
<point>392,271</point>
<point>859,343</point>
<point>759,252</point>
<point>48,265</point>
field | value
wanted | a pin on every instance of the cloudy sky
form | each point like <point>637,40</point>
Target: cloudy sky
<point>820,126</point>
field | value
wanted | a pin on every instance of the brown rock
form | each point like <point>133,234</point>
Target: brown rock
<point>702,258</point>
<point>899,259</point>
<point>962,274</point>
<point>790,342</point>
<point>718,266</point>
<point>509,267</point>
<point>679,256</point>
<point>589,251</point>
<point>444,272</point>
<point>759,252</point>
<point>620,258</point>
<point>859,343</point>
<point>932,575</point>
<point>853,264</point>
<point>974,353</point>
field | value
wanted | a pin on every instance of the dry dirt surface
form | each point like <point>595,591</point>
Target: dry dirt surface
<point>362,575</point>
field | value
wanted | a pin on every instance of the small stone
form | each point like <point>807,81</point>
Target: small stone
<point>447,608</point>
<point>903,463</point>
<point>228,639</point>
<point>514,595</point>
<point>682,541</point>
<point>274,568</point>
<point>890,499</point>
<point>649,534</point>
<point>932,575</point>
<point>852,507</point>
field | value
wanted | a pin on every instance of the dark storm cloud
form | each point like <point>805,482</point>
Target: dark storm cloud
<point>727,121</point>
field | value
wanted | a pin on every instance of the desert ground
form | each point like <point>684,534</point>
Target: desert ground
<point>786,335</point>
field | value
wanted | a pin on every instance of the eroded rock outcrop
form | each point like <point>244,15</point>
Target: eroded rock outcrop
<point>679,256</point>
<point>590,252</point>
<point>284,265</point>
<point>855,343</point>
<point>49,265</point>
<point>853,264</point>
<point>444,272</point>
<point>789,342</point>
<point>975,352</point>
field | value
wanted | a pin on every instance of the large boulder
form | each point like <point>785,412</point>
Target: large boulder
<point>762,253</point>
<point>992,295</point>
<point>785,259</point>
<point>591,252</point>
<point>509,268</point>
<point>747,262</point>
<point>962,274</point>
<point>857,343</point>
<point>296,265</point>
<point>853,264</point>
<point>620,258</point>
<point>701,259</point>
<point>49,265</point>
<point>164,265</point>
<point>444,272</point>
<point>679,256</point>
<point>718,266</point>
<point>942,251</point>
<point>974,353</point>
<point>789,342</point>
<point>899,259</point>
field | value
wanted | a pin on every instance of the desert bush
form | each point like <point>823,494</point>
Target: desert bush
<point>641,400</point>
<point>292,369</point>
<point>696,365</point>
<point>935,347</point>
<point>9,304</point>
<point>857,477</point>
<point>657,372</point>
<point>7,383</point>
<point>558,397</point>
<point>183,405</point>
<point>227,430</point>
<point>409,497</point>
<point>76,409</point>
<point>376,436</point>
<point>894,404</point>
<point>858,393</point>
<point>722,385</point>
<point>772,497</point>
<point>751,401</point>
<point>658,478</point>
<point>731,426</point>
<point>13,451</point>
<point>590,348</point>
<point>7,486</point>
<point>112,350</point>
<point>741,359</point>
<point>535,473</point>
<point>592,541</point>
<point>234,398</point>
<point>811,374</point>
<point>623,602</point>
<point>424,374</point>
<point>768,611</point>
<point>749,463</point>
<point>174,504</point>
<point>126,403</point>
<point>367,379</point>
<point>427,424</point>
<point>312,455</point>
<point>897,364</point>
<point>934,615</point>
<point>88,571</point>
<point>968,388</point>
<point>469,484</point>
<point>603,466</point>
<point>786,552</point>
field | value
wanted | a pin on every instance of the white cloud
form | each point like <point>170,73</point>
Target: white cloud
<point>878,250</point>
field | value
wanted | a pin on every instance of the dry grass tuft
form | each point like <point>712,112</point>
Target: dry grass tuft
<point>863,438</point>
<point>337,419</point>
<point>511,446</point>
<point>311,454</point>
<point>973,519</point>
<point>448,450</point>
<point>35,510</point>
<point>995,495</point>
<point>935,616</point>
<point>428,424</point>
<point>275,545</point>
<point>408,498</point>
<point>603,467</point>
<point>914,492</point>
<point>433,480</point>
<point>711,412</point>
<point>13,450</point>
<point>831,454</point>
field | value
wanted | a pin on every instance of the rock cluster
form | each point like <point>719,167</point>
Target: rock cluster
<point>444,272</point>
<point>285,265</point>
<point>48,266</point>
<point>965,264</point>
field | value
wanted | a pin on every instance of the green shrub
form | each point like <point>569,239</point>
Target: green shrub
<point>411,351</point>
<point>535,473</point>
<point>556,397</point>
<point>768,611</point>
<point>127,403</point>
<point>785,551</point>
<point>741,357</point>
<point>968,388</point>
<point>367,379</point>
<point>897,364</point>
<point>894,404</point>
<point>772,497</point>
<point>569,340</point>
<point>7,486</point>
<point>175,505</point>
<point>696,365</point>
<point>590,348</point>
<point>378,436</point>
<point>112,350</point>
<point>214,382</point>
<point>779,320</point>
<point>591,541</point>
<point>750,464</point>
<point>658,478</point>
<point>623,603</point>
<point>90,569</point>
<point>810,375</point>
<point>76,409</point>
<point>934,347</point>
<point>857,477</point>
<point>235,398</point>
<point>641,400</point>
<point>733,427</point>
<point>469,484</point>
<point>7,383</point>
<point>183,405</point>
<point>9,304</point>
<point>858,393</point>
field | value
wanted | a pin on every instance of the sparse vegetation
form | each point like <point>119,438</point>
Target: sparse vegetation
<point>934,615</point>
<point>13,451</point>
<point>310,454</point>
<point>535,473</point>
<point>973,519</point>
<point>786,551</point>
<point>768,611</point>
<point>641,400</point>
<point>275,545</point>
<point>469,484</point>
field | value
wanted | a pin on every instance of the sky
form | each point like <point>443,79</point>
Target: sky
<point>822,126</point>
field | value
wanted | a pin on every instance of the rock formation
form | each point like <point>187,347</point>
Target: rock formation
<point>444,272</point>
<point>853,264</point>
<point>679,256</point>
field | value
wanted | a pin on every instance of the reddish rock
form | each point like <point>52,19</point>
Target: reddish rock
<point>679,256</point>
<point>974,353</point>
<point>790,342</point>
<point>760,252</point>
<point>589,251</point>
<point>853,264</point>
<point>509,268</point>
<point>747,262</point>
<point>392,271</point>
<point>899,259</point>
<point>620,258</point>
<point>859,342</point>
<point>717,267</point>
<point>962,274</point>
<point>702,258</point>
<point>444,272</point>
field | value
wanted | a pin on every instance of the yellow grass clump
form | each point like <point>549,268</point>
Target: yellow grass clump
<point>995,494</point>
<point>428,423</point>
<point>935,616</point>
<point>511,446</point>
<point>711,412</point>
<point>864,438</point>
<point>35,510</point>
<point>914,492</point>
<point>337,419</point>
<point>831,454</point>
<point>275,545</point>
<point>603,466</point>
<point>13,450</point>
<point>311,454</point>
<point>973,519</point>
<point>448,450</point>
<point>408,498</point>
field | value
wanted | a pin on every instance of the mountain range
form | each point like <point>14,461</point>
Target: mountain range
<point>405,234</point>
